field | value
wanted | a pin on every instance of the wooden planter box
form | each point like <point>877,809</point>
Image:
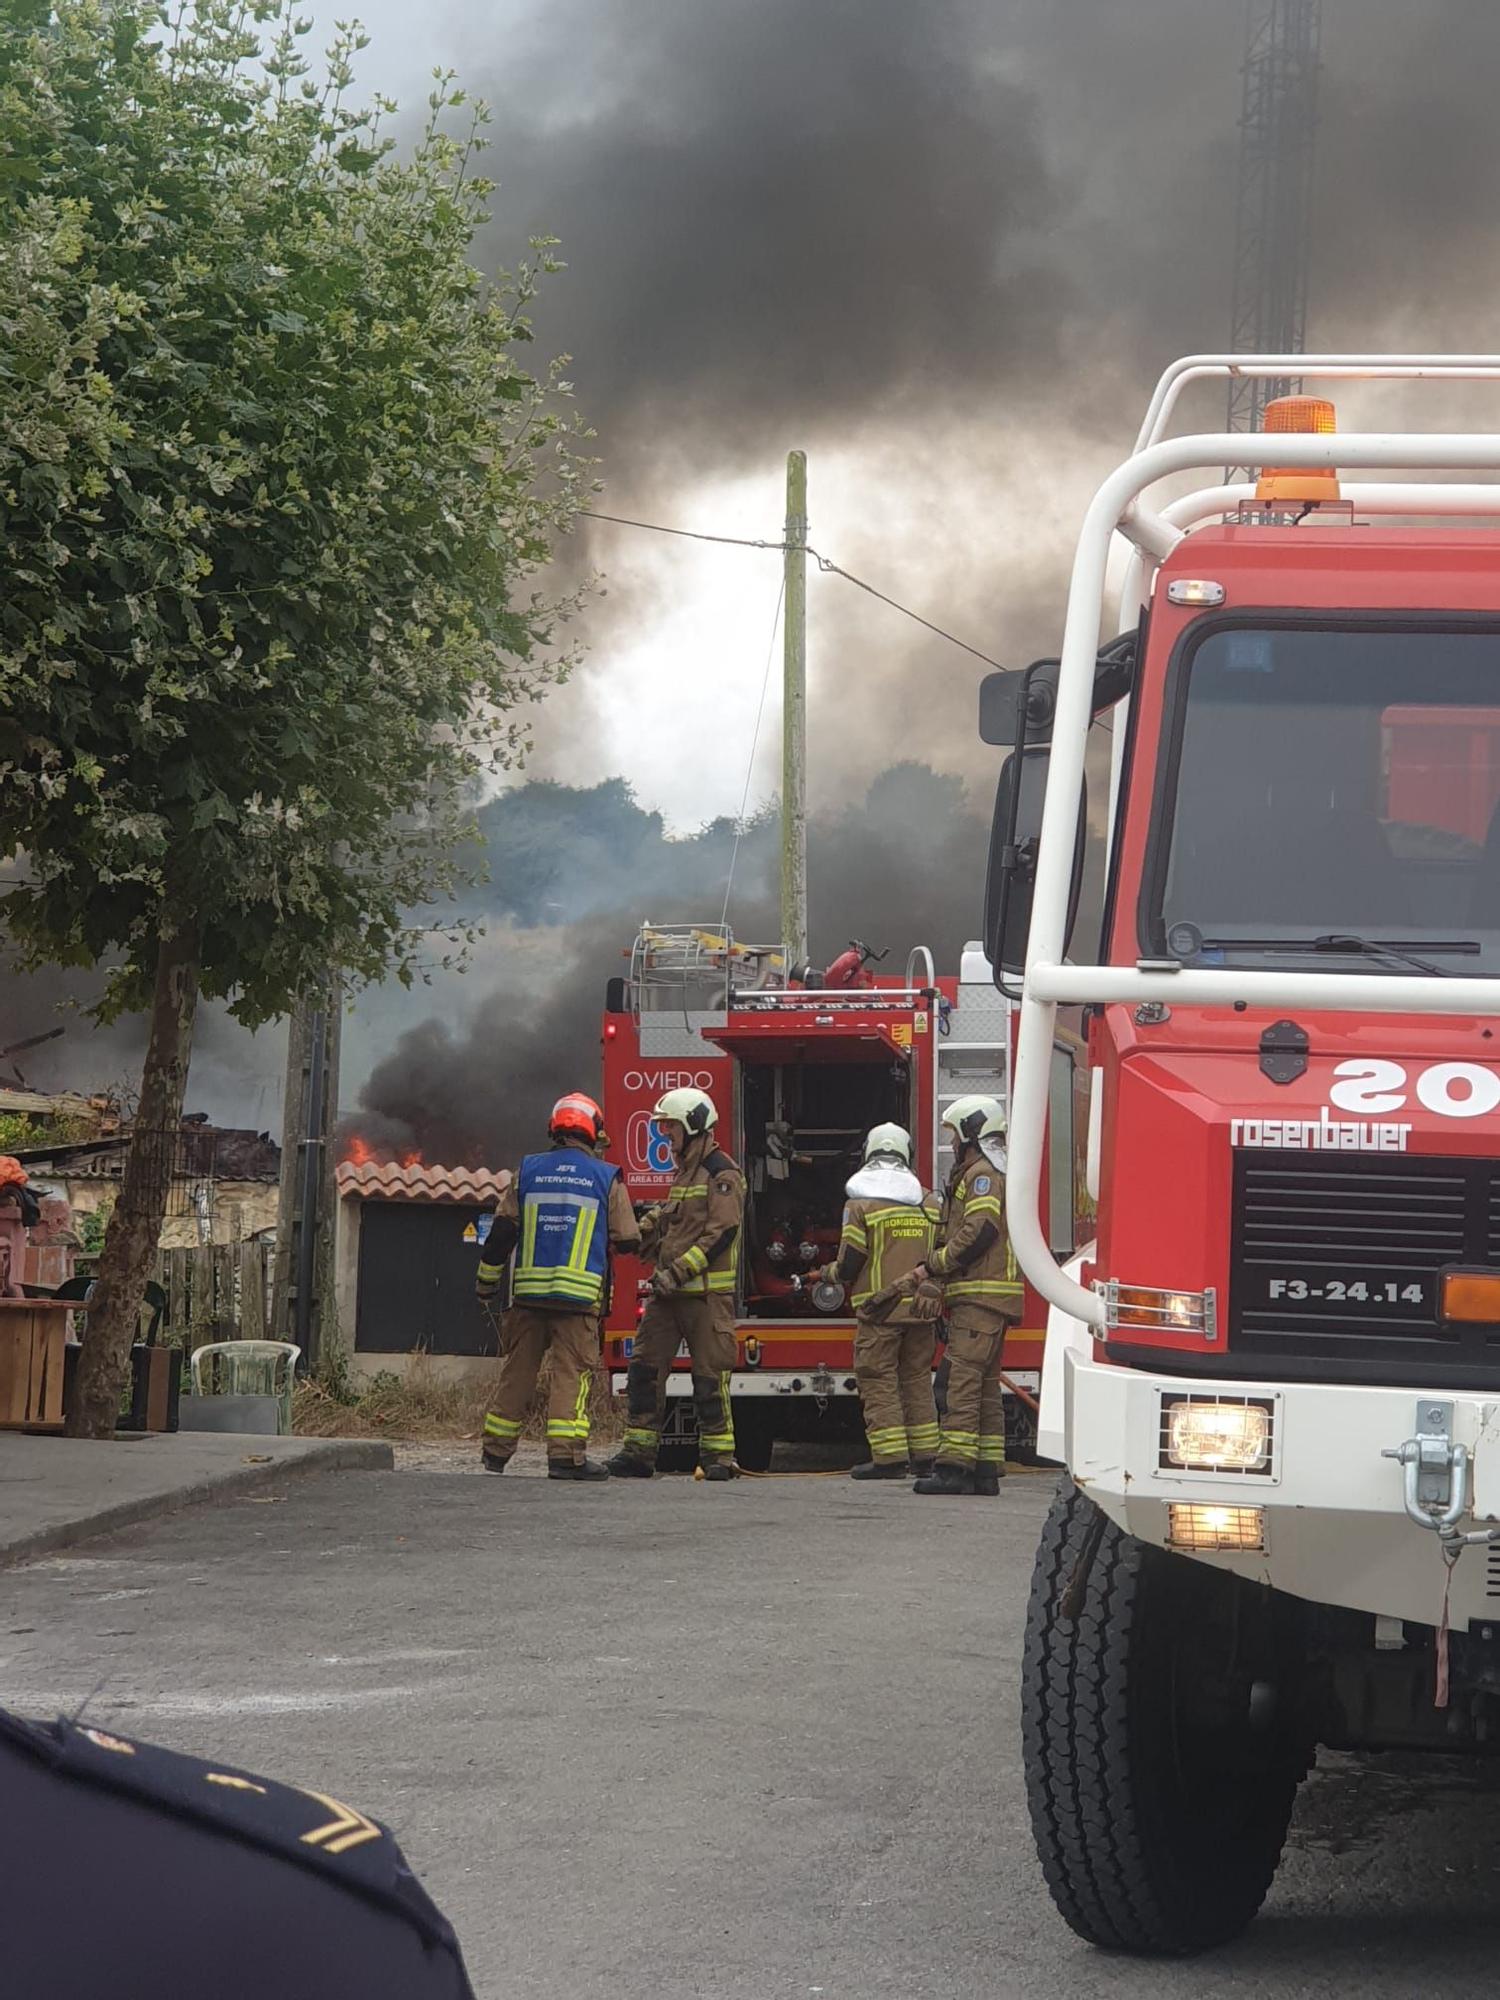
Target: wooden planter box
<point>32,1337</point>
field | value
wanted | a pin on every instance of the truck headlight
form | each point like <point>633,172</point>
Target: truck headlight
<point>1207,1436</point>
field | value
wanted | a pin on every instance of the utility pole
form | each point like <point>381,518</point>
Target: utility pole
<point>304,1287</point>
<point>794,717</point>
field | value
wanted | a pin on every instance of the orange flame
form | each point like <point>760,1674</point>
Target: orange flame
<point>359,1154</point>
<point>412,1159</point>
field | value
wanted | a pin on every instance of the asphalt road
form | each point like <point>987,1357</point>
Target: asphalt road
<point>677,1740</point>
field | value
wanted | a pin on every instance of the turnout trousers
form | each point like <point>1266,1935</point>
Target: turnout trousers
<point>893,1367</point>
<point>705,1322</point>
<point>526,1334</point>
<point>974,1427</point>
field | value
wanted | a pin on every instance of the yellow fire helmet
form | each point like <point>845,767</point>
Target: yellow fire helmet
<point>692,1109</point>
<point>975,1119</point>
<point>889,1141</point>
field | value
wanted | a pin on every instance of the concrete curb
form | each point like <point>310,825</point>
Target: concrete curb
<point>321,1455</point>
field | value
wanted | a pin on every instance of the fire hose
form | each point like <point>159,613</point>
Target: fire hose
<point>1021,1395</point>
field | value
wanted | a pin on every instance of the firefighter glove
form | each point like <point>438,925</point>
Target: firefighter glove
<point>927,1301</point>
<point>485,1290</point>
<point>663,1283</point>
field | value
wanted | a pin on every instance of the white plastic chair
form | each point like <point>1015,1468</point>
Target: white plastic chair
<point>249,1368</point>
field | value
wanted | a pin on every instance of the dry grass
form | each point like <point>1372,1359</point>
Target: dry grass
<point>421,1409</point>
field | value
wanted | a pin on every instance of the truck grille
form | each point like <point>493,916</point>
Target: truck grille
<point>1336,1259</point>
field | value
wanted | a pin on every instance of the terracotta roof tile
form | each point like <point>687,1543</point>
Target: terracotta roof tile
<point>466,1186</point>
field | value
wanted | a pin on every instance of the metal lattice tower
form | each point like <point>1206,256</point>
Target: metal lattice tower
<point>1278,127</point>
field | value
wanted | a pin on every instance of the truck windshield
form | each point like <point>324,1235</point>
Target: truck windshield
<point>1337,791</point>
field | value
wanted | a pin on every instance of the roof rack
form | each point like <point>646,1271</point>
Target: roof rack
<point>687,968</point>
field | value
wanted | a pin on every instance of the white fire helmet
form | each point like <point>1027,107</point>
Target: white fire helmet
<point>692,1109</point>
<point>975,1119</point>
<point>891,1142</point>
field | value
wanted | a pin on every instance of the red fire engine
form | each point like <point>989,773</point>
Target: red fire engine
<point>800,1065</point>
<point>1274,1378</point>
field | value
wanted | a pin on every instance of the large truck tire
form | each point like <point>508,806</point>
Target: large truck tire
<point>1159,1774</point>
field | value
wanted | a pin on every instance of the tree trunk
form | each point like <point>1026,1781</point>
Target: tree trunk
<point>135,1227</point>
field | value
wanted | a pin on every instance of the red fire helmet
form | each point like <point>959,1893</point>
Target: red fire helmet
<point>579,1115</point>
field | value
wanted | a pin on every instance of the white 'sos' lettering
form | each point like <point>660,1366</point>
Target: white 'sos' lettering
<point>1451,1089</point>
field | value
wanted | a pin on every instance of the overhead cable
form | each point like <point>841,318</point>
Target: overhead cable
<point>825,564</point>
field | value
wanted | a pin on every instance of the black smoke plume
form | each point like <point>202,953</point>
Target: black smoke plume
<point>573,873</point>
<point>954,240</point>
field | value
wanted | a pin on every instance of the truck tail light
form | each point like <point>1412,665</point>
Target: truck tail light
<point>1298,416</point>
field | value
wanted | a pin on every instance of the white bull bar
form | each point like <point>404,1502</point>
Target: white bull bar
<point>1334,1508</point>
<point>1116,507</point>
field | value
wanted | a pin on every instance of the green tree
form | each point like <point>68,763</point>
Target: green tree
<point>274,486</point>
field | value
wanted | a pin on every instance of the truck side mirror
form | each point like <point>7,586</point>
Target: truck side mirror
<point>1005,700</point>
<point>1010,881</point>
<point>997,709</point>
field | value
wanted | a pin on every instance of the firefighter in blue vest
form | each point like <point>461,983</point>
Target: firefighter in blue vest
<point>561,1216</point>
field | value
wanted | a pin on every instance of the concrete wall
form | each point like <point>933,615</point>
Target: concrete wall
<point>241,1209</point>
<point>346,1273</point>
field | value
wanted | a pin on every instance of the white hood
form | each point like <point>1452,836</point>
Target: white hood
<point>876,1182</point>
<point>993,1150</point>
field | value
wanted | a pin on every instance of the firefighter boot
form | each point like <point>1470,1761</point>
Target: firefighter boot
<point>630,1465</point>
<point>922,1467</point>
<point>987,1480</point>
<point>721,1468</point>
<point>880,1468</point>
<point>946,1479</point>
<point>490,1464</point>
<point>584,1468</point>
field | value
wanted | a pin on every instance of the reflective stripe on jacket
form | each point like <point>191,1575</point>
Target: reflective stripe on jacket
<point>694,1234</point>
<point>974,1258</point>
<point>883,1241</point>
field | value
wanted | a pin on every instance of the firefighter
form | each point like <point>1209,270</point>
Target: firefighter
<point>567,1209</point>
<point>981,1297</point>
<point>888,1232</point>
<point>692,1237</point>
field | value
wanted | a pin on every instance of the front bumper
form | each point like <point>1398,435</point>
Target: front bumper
<point>808,1383</point>
<point>1334,1524</point>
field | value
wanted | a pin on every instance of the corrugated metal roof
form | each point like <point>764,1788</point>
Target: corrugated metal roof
<point>462,1185</point>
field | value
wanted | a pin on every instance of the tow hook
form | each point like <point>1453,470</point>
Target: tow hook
<point>1436,1492</point>
<point>1437,1469</point>
<point>1436,1487</point>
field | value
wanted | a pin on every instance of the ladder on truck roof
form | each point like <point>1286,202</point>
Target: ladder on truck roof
<point>1119,507</point>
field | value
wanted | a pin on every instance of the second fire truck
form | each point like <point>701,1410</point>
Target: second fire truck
<point>800,1064</point>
